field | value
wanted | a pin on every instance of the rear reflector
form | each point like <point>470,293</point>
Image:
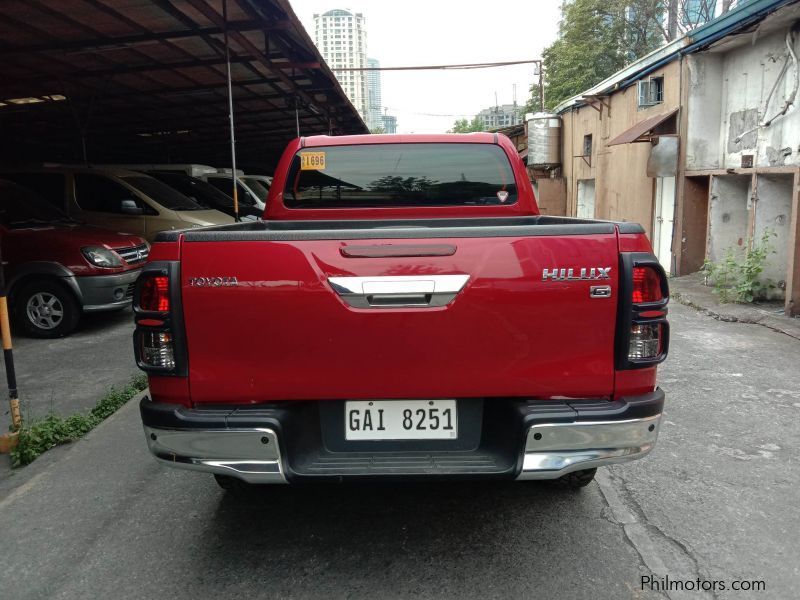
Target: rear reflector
<point>645,341</point>
<point>156,349</point>
<point>155,294</point>
<point>646,285</point>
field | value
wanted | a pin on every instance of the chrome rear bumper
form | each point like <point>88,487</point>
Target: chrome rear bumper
<point>249,454</point>
<point>253,455</point>
<point>555,449</point>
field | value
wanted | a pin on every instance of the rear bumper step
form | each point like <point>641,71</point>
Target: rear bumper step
<point>519,439</point>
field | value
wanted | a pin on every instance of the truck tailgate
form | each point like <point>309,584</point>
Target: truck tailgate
<point>281,330</point>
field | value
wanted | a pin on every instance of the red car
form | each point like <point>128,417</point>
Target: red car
<point>55,269</point>
<point>403,312</point>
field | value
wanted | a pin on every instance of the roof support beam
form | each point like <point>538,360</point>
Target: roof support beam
<point>128,41</point>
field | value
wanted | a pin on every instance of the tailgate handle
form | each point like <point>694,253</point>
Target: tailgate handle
<point>421,291</point>
<point>399,299</point>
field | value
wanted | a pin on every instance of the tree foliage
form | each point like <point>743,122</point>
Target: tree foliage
<point>590,47</point>
<point>599,37</point>
<point>467,126</point>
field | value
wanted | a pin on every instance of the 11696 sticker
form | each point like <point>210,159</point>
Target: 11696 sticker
<point>312,161</point>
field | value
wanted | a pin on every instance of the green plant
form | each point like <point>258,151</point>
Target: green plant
<point>737,277</point>
<point>39,436</point>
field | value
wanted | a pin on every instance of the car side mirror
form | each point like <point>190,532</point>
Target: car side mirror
<point>129,207</point>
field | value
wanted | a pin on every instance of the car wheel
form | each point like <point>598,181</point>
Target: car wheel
<point>46,309</point>
<point>233,485</point>
<point>576,479</point>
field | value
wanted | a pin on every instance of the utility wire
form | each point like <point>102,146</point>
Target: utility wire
<point>487,65</point>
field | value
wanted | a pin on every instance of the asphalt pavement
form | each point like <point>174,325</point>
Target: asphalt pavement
<point>70,374</point>
<point>716,500</point>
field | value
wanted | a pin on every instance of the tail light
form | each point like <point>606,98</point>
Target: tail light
<point>643,330</point>
<point>645,341</point>
<point>157,350</point>
<point>154,294</point>
<point>646,285</point>
<point>158,339</point>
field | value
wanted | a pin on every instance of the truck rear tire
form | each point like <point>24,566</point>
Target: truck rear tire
<point>232,485</point>
<point>576,479</point>
<point>45,309</point>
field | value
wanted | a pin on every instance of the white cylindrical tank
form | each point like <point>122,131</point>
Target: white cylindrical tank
<point>544,140</point>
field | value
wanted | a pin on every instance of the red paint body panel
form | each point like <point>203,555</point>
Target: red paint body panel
<point>507,333</point>
<point>62,244</point>
<point>164,251</point>
<point>282,333</point>
<point>635,382</point>
<point>634,242</point>
<point>174,390</point>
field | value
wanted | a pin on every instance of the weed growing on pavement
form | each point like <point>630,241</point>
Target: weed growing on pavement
<point>737,277</point>
<point>39,436</point>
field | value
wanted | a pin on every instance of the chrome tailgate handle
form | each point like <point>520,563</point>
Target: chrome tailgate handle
<point>421,291</point>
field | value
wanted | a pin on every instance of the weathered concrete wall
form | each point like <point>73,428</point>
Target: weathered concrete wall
<point>726,99</point>
<point>623,192</point>
<point>749,73</point>
<point>728,215</point>
<point>704,111</point>
<point>773,211</point>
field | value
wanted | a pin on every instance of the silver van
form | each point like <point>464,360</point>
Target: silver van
<point>117,199</point>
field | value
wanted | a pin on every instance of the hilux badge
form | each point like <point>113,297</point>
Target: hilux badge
<point>585,273</point>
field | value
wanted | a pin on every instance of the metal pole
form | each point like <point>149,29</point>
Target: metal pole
<point>8,354</point>
<point>541,87</point>
<point>297,116</point>
<point>230,114</point>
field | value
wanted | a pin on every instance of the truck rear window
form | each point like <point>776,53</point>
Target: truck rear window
<point>400,175</point>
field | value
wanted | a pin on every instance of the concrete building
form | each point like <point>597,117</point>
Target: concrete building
<point>686,142</point>
<point>496,117</point>
<point>374,104</point>
<point>341,37</point>
<point>389,124</point>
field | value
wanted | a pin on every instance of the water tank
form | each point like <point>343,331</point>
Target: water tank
<point>544,140</point>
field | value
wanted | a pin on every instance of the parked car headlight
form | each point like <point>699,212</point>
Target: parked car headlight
<point>101,257</point>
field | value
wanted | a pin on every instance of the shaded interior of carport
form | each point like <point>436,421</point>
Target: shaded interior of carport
<point>145,81</point>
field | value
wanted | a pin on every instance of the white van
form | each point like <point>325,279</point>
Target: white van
<point>192,170</point>
<point>255,197</point>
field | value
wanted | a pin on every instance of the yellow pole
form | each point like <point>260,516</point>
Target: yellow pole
<point>8,353</point>
<point>8,356</point>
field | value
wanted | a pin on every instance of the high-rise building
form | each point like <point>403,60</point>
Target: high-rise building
<point>389,124</point>
<point>374,116</point>
<point>341,37</point>
<point>500,116</point>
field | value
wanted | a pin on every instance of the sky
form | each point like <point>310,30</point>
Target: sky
<point>427,32</point>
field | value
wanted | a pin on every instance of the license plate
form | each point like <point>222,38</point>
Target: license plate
<point>400,420</point>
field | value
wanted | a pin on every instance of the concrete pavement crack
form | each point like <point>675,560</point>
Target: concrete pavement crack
<point>659,553</point>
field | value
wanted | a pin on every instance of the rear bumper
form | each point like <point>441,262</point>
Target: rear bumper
<point>107,292</point>
<point>548,439</point>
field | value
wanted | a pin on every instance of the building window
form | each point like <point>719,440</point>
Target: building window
<point>651,92</point>
<point>587,145</point>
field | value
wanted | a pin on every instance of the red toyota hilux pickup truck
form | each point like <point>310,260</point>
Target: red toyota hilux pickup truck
<point>403,312</point>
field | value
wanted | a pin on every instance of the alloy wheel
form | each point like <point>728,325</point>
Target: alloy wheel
<point>45,310</point>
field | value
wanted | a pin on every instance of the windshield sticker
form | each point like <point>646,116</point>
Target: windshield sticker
<point>502,195</point>
<point>312,161</point>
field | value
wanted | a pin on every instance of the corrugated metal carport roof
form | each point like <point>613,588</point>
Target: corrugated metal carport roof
<point>144,80</point>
